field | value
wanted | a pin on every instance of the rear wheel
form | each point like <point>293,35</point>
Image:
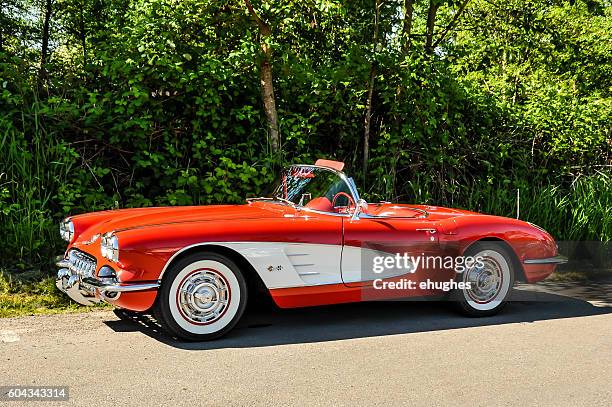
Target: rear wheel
<point>490,279</point>
<point>202,297</point>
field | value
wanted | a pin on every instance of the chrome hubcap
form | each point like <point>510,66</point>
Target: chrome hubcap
<point>485,280</point>
<point>203,296</point>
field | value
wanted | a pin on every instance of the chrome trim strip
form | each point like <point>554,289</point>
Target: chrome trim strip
<point>308,273</point>
<point>548,260</point>
<point>423,214</point>
<point>116,288</point>
<point>303,208</point>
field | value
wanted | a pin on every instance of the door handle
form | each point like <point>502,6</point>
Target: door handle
<point>427,230</point>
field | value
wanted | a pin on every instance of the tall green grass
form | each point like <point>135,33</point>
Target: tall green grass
<point>33,167</point>
<point>578,210</point>
<point>582,211</point>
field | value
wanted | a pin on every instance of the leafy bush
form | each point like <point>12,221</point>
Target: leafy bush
<point>158,102</point>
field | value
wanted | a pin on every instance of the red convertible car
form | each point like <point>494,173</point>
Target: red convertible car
<point>313,241</point>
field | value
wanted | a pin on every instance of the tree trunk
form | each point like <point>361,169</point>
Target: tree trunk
<point>266,77</point>
<point>431,22</point>
<point>407,26</point>
<point>267,96</point>
<point>44,49</point>
<point>406,43</point>
<point>367,122</point>
<point>83,34</point>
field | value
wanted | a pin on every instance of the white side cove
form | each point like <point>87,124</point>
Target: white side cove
<point>358,264</point>
<point>284,265</point>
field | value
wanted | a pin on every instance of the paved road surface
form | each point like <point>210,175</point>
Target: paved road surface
<point>552,351</point>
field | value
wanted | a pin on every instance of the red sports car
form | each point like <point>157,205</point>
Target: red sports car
<point>313,241</point>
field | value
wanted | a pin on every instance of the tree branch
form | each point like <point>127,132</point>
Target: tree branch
<point>265,28</point>
<point>451,24</point>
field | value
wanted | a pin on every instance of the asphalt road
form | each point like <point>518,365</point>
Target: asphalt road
<point>545,349</point>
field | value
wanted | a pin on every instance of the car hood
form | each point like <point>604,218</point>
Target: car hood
<point>89,224</point>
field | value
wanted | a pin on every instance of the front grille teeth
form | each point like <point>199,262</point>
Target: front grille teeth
<point>81,263</point>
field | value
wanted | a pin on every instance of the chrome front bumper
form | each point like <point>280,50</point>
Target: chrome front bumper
<point>77,279</point>
<point>548,260</point>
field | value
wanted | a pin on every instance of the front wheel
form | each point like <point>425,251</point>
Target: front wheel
<point>202,297</point>
<point>491,279</point>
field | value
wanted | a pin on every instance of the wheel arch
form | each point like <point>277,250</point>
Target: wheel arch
<point>254,281</point>
<point>520,275</point>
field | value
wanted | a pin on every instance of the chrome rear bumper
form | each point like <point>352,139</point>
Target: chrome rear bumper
<point>82,286</point>
<point>548,260</point>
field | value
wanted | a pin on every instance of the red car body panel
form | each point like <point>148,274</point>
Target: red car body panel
<point>150,238</point>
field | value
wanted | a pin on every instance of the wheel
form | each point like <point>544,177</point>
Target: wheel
<point>201,297</point>
<point>491,280</point>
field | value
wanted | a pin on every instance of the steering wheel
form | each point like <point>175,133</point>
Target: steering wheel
<point>342,193</point>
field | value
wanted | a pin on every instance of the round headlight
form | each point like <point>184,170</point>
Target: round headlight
<point>114,246</point>
<point>109,247</point>
<point>103,246</point>
<point>67,229</point>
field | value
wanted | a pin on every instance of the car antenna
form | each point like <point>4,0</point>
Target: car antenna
<point>518,202</point>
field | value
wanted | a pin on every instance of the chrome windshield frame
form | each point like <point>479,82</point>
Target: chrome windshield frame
<point>348,181</point>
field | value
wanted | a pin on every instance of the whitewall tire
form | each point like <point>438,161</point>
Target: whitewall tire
<point>491,280</point>
<point>201,297</point>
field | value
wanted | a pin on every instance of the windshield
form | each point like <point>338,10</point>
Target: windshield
<point>314,188</point>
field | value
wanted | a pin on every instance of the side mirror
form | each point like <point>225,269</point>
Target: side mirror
<point>360,207</point>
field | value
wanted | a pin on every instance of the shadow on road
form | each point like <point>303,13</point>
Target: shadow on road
<point>270,327</point>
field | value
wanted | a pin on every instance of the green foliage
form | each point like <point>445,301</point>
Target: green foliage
<point>158,102</point>
<point>33,171</point>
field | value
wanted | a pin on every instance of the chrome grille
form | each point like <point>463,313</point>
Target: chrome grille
<point>81,263</point>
